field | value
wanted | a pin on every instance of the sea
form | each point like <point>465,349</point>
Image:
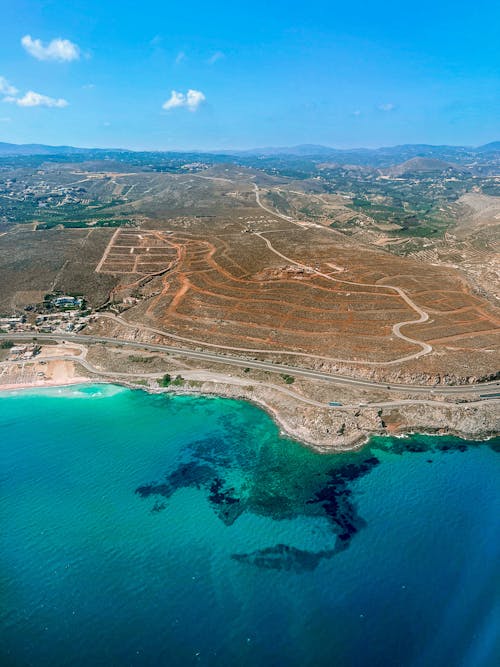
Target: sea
<point>140,529</point>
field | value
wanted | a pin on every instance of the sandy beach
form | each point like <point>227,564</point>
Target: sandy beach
<point>41,373</point>
<point>44,384</point>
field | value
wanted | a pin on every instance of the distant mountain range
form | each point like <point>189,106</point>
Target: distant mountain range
<point>368,156</point>
<point>422,150</point>
<point>380,157</point>
<point>38,149</point>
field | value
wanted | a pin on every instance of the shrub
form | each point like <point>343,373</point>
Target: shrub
<point>165,380</point>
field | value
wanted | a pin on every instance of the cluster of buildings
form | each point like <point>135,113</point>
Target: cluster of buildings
<point>69,321</point>
<point>12,323</point>
<point>59,314</point>
<point>23,352</point>
<point>43,191</point>
<point>195,166</point>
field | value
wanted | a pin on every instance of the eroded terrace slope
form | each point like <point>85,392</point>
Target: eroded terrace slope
<point>264,285</point>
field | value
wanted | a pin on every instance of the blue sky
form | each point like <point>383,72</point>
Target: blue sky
<point>102,73</point>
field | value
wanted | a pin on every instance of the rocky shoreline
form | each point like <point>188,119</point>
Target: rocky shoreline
<point>327,430</point>
<point>303,412</point>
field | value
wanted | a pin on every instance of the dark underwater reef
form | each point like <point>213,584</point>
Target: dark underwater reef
<point>270,484</point>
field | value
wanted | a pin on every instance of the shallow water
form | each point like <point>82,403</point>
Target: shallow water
<point>154,530</point>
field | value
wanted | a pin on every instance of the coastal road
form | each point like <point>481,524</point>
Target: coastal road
<point>202,355</point>
<point>209,376</point>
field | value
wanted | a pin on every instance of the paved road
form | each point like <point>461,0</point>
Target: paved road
<point>482,388</point>
<point>228,379</point>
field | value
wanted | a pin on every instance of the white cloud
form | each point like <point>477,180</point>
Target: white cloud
<point>29,99</point>
<point>60,50</point>
<point>218,55</point>
<point>88,86</point>
<point>175,100</point>
<point>7,88</point>
<point>180,57</point>
<point>194,99</point>
<point>386,107</point>
<point>5,119</point>
<point>357,112</point>
<point>32,99</point>
<point>190,100</point>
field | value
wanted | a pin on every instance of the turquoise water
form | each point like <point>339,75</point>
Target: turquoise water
<point>153,530</point>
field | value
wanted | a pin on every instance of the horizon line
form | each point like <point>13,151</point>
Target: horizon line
<point>243,150</point>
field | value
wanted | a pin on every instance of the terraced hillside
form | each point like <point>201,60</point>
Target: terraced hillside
<point>233,258</point>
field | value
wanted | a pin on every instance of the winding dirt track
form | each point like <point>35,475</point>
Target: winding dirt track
<point>275,213</point>
<point>423,316</point>
<point>396,329</point>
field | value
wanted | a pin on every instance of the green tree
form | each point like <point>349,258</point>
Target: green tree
<point>166,380</point>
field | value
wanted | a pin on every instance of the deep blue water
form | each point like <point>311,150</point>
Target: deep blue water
<point>153,530</point>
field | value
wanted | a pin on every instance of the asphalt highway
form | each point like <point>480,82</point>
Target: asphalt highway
<point>486,389</point>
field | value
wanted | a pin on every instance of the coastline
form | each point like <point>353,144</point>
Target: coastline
<point>355,441</point>
<point>47,384</point>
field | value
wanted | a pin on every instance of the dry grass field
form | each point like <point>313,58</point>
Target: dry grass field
<point>205,263</point>
<point>314,293</point>
<point>37,262</point>
<point>220,295</point>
